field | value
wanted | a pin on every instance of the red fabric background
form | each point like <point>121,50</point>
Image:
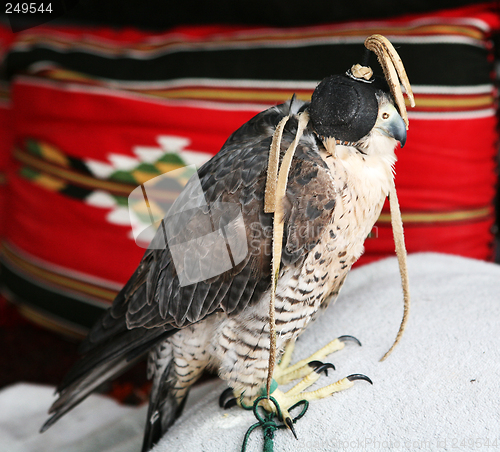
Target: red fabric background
<point>66,231</point>
<point>73,234</point>
<point>447,164</point>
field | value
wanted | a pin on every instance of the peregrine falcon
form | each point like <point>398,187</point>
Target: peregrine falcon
<point>334,196</point>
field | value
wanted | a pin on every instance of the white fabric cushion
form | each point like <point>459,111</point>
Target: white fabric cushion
<point>438,390</point>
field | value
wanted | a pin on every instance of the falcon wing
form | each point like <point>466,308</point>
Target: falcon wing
<point>237,174</point>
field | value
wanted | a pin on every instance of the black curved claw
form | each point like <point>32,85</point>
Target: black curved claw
<point>319,366</point>
<point>289,423</point>
<point>349,338</point>
<point>354,377</point>
<point>230,403</point>
<point>227,399</point>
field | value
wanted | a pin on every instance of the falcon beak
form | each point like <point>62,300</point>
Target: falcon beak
<point>396,128</point>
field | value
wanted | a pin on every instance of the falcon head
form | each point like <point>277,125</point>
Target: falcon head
<point>358,113</point>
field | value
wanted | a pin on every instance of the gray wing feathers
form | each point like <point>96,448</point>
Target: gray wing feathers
<point>237,174</point>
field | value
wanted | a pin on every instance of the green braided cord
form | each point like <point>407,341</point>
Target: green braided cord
<point>267,423</point>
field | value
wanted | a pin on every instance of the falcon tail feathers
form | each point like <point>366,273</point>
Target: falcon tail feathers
<point>163,410</point>
<point>100,365</point>
<point>79,390</point>
<point>128,346</point>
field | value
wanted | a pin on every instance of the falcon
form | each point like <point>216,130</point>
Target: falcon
<point>338,180</point>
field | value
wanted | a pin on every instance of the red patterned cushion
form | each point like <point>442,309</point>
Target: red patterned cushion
<point>97,112</point>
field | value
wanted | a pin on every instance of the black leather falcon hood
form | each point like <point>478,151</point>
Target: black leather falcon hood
<point>344,107</point>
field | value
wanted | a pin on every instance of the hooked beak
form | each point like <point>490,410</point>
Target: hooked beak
<point>396,128</point>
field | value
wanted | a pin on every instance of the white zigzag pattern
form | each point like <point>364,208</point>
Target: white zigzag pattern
<point>148,154</point>
<point>120,215</point>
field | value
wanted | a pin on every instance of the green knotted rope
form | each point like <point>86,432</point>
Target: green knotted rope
<point>267,422</point>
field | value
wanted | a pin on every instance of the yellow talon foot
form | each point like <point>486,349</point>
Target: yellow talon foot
<point>286,400</point>
<point>308,371</point>
<point>296,394</point>
<point>285,373</point>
